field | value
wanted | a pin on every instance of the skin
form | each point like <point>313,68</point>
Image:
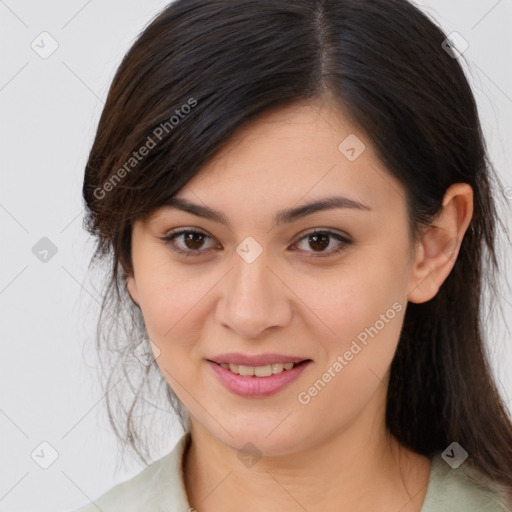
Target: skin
<point>333,453</point>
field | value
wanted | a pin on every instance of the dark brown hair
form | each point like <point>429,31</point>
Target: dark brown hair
<point>202,69</point>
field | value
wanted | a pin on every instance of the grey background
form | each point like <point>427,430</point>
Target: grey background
<point>50,108</point>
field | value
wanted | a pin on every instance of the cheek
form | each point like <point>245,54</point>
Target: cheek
<point>358,301</point>
<point>176,306</point>
<point>165,298</point>
<point>366,317</point>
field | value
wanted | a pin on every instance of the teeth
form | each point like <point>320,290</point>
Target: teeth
<point>258,371</point>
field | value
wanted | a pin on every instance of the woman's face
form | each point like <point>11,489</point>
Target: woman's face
<point>258,285</point>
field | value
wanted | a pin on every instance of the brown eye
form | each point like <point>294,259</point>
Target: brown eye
<point>320,240</point>
<point>192,242</point>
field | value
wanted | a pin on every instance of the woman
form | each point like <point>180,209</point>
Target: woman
<point>295,201</point>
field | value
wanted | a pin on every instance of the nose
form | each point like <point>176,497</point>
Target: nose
<point>254,299</point>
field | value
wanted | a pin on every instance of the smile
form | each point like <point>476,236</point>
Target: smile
<point>258,371</point>
<point>257,381</point>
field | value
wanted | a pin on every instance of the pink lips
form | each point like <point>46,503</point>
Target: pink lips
<point>257,387</point>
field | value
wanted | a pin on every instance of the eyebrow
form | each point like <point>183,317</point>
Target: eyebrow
<point>281,217</point>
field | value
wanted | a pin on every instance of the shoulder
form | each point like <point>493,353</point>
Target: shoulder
<point>130,495</point>
<point>462,489</point>
<point>158,486</point>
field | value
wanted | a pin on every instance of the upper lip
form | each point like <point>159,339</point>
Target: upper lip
<point>257,360</point>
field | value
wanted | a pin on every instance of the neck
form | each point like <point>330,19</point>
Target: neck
<point>358,468</point>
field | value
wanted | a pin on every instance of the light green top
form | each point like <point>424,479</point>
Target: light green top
<point>160,488</point>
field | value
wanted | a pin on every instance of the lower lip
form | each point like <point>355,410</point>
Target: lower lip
<point>256,387</point>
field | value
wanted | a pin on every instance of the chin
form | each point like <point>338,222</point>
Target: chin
<point>260,440</point>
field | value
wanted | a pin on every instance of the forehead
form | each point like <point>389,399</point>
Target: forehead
<point>290,156</point>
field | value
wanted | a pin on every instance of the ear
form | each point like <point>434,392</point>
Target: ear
<point>436,253</point>
<point>131,286</point>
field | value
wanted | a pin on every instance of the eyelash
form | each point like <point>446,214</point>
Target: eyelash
<point>169,240</point>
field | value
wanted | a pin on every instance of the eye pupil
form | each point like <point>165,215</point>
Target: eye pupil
<point>189,237</point>
<point>315,237</point>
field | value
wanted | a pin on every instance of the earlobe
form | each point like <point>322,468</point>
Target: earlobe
<point>435,259</point>
<point>131,286</point>
<point>437,252</point>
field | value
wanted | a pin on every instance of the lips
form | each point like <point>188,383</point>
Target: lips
<point>257,387</point>
<point>256,360</point>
